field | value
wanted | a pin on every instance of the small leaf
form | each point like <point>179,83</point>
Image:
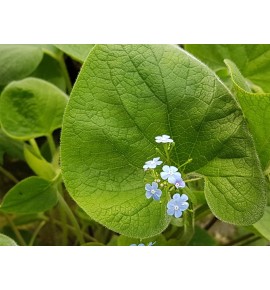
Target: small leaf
<point>263,225</point>
<point>253,60</point>
<point>202,238</point>
<point>31,108</point>
<point>256,108</point>
<point>77,51</point>
<point>50,70</point>
<point>6,241</point>
<point>18,61</point>
<point>38,164</point>
<point>31,195</point>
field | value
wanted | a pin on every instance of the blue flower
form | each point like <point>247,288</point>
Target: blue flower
<point>171,173</point>
<point>179,182</point>
<point>177,205</point>
<point>150,244</point>
<point>163,139</point>
<point>153,191</point>
<point>152,163</point>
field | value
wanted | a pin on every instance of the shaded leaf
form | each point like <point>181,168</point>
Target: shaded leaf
<point>253,60</point>
<point>18,61</point>
<point>31,108</point>
<point>50,70</point>
<point>256,108</point>
<point>77,51</point>
<point>31,195</point>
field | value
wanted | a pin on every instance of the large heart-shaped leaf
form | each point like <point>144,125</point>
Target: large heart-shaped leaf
<point>31,108</point>
<point>18,61</point>
<point>253,60</point>
<point>31,195</point>
<point>77,51</point>
<point>126,95</point>
<point>256,108</point>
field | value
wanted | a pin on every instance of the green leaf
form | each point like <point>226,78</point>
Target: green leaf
<point>77,51</point>
<point>253,60</point>
<point>12,147</point>
<point>49,69</point>
<point>256,108</point>
<point>263,225</point>
<point>31,108</point>
<point>38,164</point>
<point>31,195</point>
<point>125,96</point>
<point>18,61</point>
<point>202,238</point>
<point>6,241</point>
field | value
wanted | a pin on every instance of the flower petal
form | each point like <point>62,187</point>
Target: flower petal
<point>171,179</point>
<point>176,196</point>
<point>177,175</point>
<point>173,169</point>
<point>171,204</point>
<point>148,194</point>
<point>170,211</point>
<point>178,213</point>
<point>158,192</point>
<point>156,197</point>
<point>156,159</point>
<point>148,186</point>
<point>184,197</point>
<point>154,185</point>
<point>166,168</point>
<point>184,206</point>
<point>164,175</point>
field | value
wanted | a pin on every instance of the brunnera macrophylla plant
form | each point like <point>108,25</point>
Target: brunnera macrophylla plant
<point>150,145</point>
<point>136,94</point>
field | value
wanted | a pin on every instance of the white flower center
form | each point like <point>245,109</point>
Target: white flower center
<point>153,191</point>
<point>176,207</point>
<point>171,172</point>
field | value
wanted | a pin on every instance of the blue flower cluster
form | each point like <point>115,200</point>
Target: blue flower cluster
<point>150,244</point>
<point>172,180</point>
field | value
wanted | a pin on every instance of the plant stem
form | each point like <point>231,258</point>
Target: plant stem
<point>51,144</point>
<point>71,216</point>
<point>239,240</point>
<point>15,230</point>
<point>210,223</point>
<point>9,175</point>
<point>63,217</point>
<point>36,232</point>
<point>71,228</point>
<point>190,180</point>
<point>65,73</point>
<point>35,146</point>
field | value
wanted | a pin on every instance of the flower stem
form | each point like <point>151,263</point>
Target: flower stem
<point>15,230</point>
<point>194,179</point>
<point>71,216</point>
<point>9,175</point>
<point>51,144</point>
<point>36,232</point>
<point>35,146</point>
<point>65,73</point>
